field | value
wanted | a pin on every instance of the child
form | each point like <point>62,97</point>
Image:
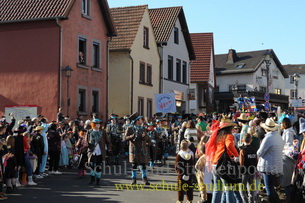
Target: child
<point>248,163</point>
<point>184,166</point>
<point>81,147</point>
<point>27,138</point>
<point>200,167</point>
<point>64,159</point>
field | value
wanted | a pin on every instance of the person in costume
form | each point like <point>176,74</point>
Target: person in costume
<point>125,126</point>
<point>139,143</point>
<point>161,133</point>
<point>81,148</point>
<point>153,147</point>
<point>243,123</point>
<point>98,140</point>
<point>114,132</point>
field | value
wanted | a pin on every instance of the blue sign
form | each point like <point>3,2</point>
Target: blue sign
<point>267,106</point>
<point>267,97</point>
<point>165,103</point>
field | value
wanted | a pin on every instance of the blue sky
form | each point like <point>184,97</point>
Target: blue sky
<point>243,25</point>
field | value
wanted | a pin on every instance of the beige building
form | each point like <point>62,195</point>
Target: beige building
<point>134,73</point>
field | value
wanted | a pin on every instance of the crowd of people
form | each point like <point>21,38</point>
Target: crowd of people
<point>265,152</point>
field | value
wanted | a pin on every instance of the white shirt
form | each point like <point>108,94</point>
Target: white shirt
<point>97,150</point>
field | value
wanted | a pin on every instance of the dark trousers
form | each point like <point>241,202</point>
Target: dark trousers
<point>185,187</point>
<point>269,183</point>
<point>54,160</point>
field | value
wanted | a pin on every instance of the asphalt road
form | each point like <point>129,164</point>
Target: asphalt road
<point>68,188</point>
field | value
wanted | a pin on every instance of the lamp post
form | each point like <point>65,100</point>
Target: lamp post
<point>67,71</point>
<point>296,78</point>
<point>267,61</point>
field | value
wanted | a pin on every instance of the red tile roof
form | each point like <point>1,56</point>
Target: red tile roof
<point>127,21</point>
<point>17,10</point>
<point>204,48</point>
<point>163,21</point>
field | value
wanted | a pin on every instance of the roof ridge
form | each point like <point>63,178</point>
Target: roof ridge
<point>144,5</point>
<point>166,7</point>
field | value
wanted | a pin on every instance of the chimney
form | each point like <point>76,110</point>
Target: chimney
<point>232,57</point>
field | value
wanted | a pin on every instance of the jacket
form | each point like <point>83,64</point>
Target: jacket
<point>288,136</point>
<point>220,148</point>
<point>270,154</point>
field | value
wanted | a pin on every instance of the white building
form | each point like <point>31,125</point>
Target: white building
<point>290,88</point>
<point>247,71</point>
<point>176,52</point>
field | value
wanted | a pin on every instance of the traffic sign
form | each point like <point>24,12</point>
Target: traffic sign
<point>267,106</point>
<point>267,97</point>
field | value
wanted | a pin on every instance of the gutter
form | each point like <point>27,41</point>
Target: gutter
<point>34,19</point>
<point>131,89</point>
<point>60,65</point>
<point>107,76</point>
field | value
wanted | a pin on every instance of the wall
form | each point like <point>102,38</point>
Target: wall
<point>92,29</point>
<point>149,56</point>
<point>223,81</point>
<point>177,51</point>
<point>291,86</point>
<point>29,65</point>
<point>120,83</point>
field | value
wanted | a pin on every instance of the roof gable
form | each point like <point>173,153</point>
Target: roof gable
<point>249,61</point>
<point>127,21</point>
<point>204,48</point>
<point>163,21</point>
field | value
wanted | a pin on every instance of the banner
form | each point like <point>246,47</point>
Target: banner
<point>20,112</point>
<point>165,103</point>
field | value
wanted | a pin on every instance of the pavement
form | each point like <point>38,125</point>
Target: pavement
<point>67,187</point>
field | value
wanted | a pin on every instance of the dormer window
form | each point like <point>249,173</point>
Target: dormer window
<point>85,7</point>
<point>239,66</point>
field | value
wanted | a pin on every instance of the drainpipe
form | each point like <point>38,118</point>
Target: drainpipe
<point>131,90</point>
<point>107,77</point>
<point>161,89</point>
<point>60,65</point>
<point>189,80</point>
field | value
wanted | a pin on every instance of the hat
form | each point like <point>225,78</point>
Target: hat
<point>39,116</point>
<point>135,116</point>
<point>96,120</point>
<point>113,116</point>
<point>20,129</point>
<point>242,117</point>
<point>226,122</point>
<point>38,128</point>
<point>27,118</point>
<point>126,117</point>
<point>302,125</point>
<point>269,125</point>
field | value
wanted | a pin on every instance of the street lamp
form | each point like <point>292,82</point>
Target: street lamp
<point>67,71</point>
<point>267,61</point>
<point>296,78</point>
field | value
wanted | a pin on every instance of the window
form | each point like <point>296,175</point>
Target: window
<point>184,72</point>
<point>178,70</point>
<point>149,108</point>
<point>291,79</point>
<point>262,89</point>
<point>149,74</point>
<point>82,50</point>
<point>142,72</point>
<point>85,7</point>
<point>176,35</point>
<point>239,66</point>
<point>145,38</point>
<point>275,75</point>
<point>277,91</point>
<point>170,65</point>
<point>82,100</point>
<point>95,101</point>
<point>242,87</point>
<point>96,55</point>
<point>141,106</point>
<point>293,94</point>
<point>264,72</point>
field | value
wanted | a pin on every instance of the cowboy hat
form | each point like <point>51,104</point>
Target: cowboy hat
<point>242,117</point>
<point>38,128</point>
<point>269,125</point>
<point>226,122</point>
